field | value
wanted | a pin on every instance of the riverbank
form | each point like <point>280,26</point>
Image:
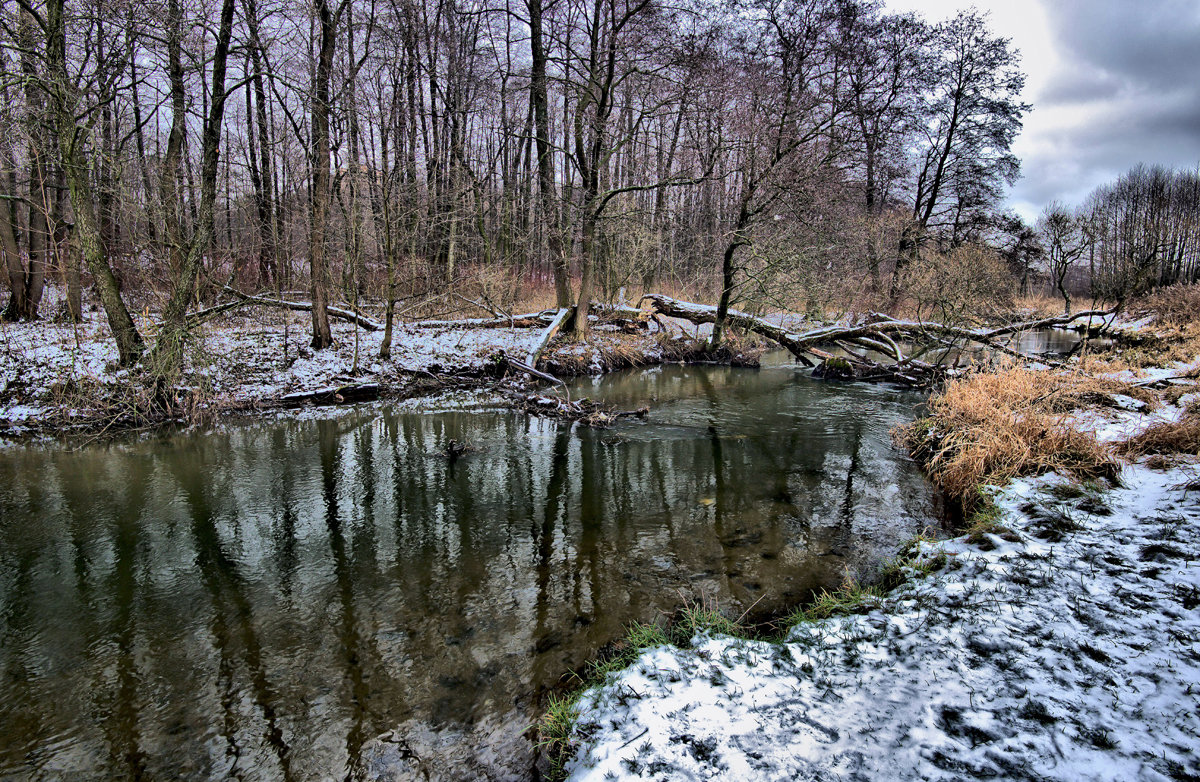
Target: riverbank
<point>1056,639</point>
<point>61,377</point>
<point>1031,654</point>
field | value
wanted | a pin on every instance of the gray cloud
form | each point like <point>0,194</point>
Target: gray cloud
<point>1152,43</point>
<point>1130,73</point>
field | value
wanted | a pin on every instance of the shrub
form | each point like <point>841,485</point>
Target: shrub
<point>954,287</point>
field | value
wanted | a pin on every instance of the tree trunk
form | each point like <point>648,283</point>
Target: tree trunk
<point>168,349</point>
<point>322,336</point>
<point>75,171</point>
<point>539,95</point>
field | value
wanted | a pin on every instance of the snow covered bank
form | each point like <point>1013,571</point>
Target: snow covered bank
<point>1075,659</point>
<point>50,373</point>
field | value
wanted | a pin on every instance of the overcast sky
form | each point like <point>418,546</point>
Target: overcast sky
<point>1112,83</point>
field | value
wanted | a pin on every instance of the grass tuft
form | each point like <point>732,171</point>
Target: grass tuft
<point>992,427</point>
<point>1167,438</point>
<point>554,732</point>
<point>849,598</point>
<point>697,618</point>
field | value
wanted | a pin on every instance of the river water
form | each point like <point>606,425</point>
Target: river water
<point>329,595</point>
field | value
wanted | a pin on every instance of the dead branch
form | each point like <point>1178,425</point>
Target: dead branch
<point>548,335</point>
<point>304,306</point>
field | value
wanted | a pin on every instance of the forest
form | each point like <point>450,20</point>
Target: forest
<point>407,156</point>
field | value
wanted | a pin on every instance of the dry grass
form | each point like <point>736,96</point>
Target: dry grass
<point>1039,305</point>
<point>990,428</point>
<point>1176,305</point>
<point>1173,336</point>
<point>1168,438</point>
<point>1165,346</point>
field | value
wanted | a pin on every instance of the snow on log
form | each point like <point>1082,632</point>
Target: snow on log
<point>548,335</point>
<point>520,365</point>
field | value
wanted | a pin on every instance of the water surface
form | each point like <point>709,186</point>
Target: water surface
<point>329,596</point>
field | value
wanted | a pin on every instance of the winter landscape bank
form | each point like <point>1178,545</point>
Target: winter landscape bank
<point>1064,648</point>
<point>1059,638</point>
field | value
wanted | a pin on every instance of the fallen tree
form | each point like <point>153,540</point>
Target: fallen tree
<point>527,321</point>
<point>877,334</point>
<point>244,299</point>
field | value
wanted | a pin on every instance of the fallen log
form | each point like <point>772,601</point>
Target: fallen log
<point>332,395</point>
<point>526,321</point>
<point>879,334</point>
<point>548,335</point>
<point>526,368</point>
<point>300,306</point>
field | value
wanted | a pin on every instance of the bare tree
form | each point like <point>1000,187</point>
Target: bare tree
<point>972,114</point>
<point>1064,239</point>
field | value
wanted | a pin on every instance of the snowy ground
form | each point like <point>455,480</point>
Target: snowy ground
<point>257,356</point>
<point>1073,654</point>
<point>254,356</point>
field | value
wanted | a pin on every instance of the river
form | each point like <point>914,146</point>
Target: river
<point>328,595</point>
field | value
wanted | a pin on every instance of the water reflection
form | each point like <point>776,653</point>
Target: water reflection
<point>303,599</point>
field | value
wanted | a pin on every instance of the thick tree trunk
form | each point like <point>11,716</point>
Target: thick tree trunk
<point>14,265</point>
<point>587,270</point>
<point>539,95</point>
<point>267,270</point>
<point>322,336</point>
<point>28,275</point>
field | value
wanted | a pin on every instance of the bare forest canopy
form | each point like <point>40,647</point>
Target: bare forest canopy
<point>791,151</point>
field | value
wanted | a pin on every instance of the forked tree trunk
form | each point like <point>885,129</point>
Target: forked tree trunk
<point>173,331</point>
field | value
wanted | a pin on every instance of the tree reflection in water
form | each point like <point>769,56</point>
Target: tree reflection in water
<point>300,599</point>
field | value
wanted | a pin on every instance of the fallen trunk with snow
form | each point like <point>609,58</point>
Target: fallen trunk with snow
<point>879,334</point>
<point>299,306</point>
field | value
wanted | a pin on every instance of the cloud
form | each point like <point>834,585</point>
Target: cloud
<point>1121,89</point>
<point>1151,44</point>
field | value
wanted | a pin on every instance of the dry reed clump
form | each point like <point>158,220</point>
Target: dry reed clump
<point>992,427</point>
<point>1167,438</point>
<point>1039,305</point>
<point>1174,335</point>
<point>1175,305</point>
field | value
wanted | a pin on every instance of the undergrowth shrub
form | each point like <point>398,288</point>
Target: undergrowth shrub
<point>963,285</point>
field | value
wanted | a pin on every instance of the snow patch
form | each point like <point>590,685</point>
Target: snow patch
<point>1070,661</point>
